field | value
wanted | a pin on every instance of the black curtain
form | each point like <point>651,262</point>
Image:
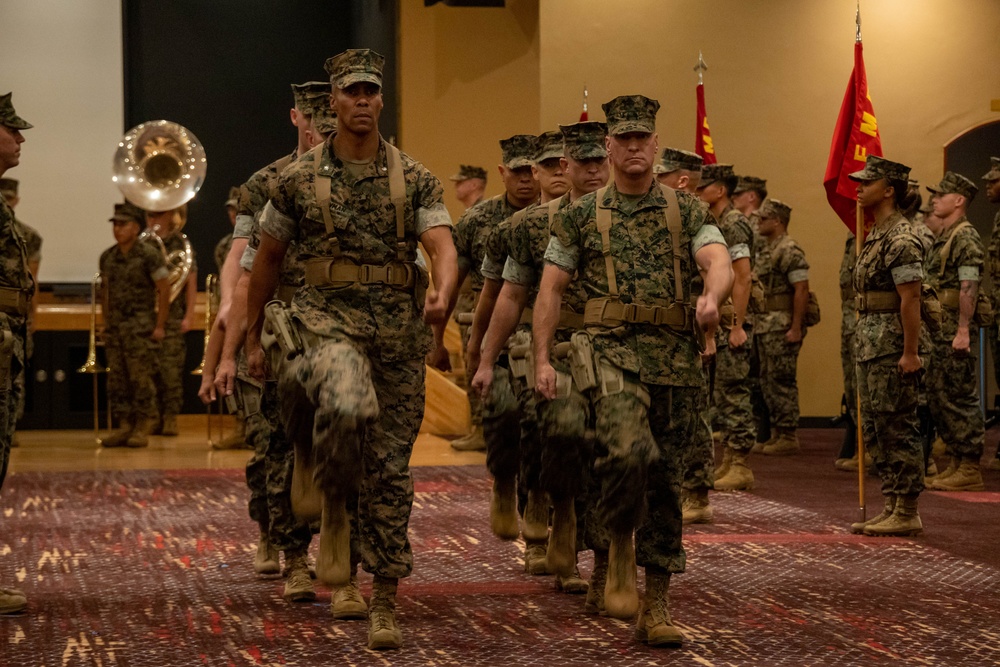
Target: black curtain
<point>223,70</point>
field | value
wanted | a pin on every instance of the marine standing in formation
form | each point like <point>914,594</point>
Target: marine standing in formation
<point>992,178</point>
<point>16,289</point>
<point>635,246</point>
<point>355,382</point>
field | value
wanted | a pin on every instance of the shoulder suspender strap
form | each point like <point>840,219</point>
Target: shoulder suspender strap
<point>553,207</point>
<point>946,250</point>
<point>282,163</point>
<point>321,186</point>
<point>397,193</point>
<point>674,226</point>
<point>604,227</point>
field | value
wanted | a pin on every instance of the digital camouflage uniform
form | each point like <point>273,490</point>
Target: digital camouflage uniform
<point>13,327</point>
<point>362,376</point>
<point>780,264</point>
<point>222,251</point>
<point>951,379</point>
<point>848,323</point>
<point>33,245</point>
<point>891,255</point>
<point>269,469</point>
<point>130,281</point>
<point>640,472</point>
<point>171,352</point>
<point>993,254</point>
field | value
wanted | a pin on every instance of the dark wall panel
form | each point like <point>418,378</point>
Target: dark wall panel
<point>223,69</point>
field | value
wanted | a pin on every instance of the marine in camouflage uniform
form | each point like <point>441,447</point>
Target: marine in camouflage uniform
<point>992,178</point>
<point>778,332</point>
<point>16,288</point>
<point>226,242</point>
<point>954,268</point>
<point>33,244</point>
<point>647,402</point>
<point>733,341</point>
<point>136,288</point>
<point>171,352</point>
<point>357,385</point>
<point>847,459</point>
<point>566,453</point>
<point>500,410</point>
<point>887,279</point>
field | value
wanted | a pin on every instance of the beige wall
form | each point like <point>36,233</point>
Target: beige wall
<point>778,71</point>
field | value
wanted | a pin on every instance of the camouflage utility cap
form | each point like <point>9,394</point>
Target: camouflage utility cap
<point>313,99</point>
<point>711,173</point>
<point>234,197</point>
<point>631,113</point>
<point>957,184</point>
<point>467,171</point>
<point>550,145</point>
<point>878,167</point>
<point>354,66</point>
<point>775,208</point>
<point>585,140</point>
<point>8,187</point>
<point>750,183</point>
<point>128,212</point>
<point>9,117</point>
<point>994,172</point>
<point>674,159</point>
<point>519,150</point>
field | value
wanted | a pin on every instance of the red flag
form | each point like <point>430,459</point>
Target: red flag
<point>703,136</point>
<point>854,138</point>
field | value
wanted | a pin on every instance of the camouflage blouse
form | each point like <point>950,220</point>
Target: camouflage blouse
<point>994,258</point>
<point>131,283</point>
<point>891,255</point>
<point>642,252</point>
<point>964,263</point>
<point>13,268</point>
<point>780,264</point>
<point>848,310</point>
<point>381,319</point>
<point>472,233</point>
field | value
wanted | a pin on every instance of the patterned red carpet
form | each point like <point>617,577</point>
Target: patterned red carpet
<point>154,568</point>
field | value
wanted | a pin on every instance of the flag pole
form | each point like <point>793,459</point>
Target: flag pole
<point>859,232</point>
<point>700,69</point>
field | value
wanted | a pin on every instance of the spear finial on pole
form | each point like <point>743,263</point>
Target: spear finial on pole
<point>700,69</point>
<point>585,98</point>
<point>857,19</point>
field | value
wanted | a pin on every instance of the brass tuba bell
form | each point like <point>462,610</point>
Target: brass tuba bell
<point>159,166</point>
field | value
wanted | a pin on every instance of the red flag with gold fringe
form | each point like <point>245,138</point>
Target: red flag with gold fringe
<point>703,145</point>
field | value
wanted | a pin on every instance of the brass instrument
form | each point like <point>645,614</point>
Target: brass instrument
<point>160,166</point>
<point>211,286</point>
<point>90,366</point>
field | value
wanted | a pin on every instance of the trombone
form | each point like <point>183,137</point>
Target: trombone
<point>211,286</point>
<point>90,366</point>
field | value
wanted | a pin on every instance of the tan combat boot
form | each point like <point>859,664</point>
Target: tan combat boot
<point>948,471</point>
<point>786,444</point>
<point>573,583</point>
<point>503,509</point>
<point>621,599</point>
<point>12,601</point>
<point>346,602</point>
<point>560,555</point>
<point>235,440</point>
<point>535,524</point>
<point>594,603</point>
<point>931,470</point>
<point>994,464</point>
<point>738,475</point>
<point>266,559</point>
<point>727,457</point>
<point>654,626</point>
<point>473,442</point>
<point>967,477</point>
<point>696,507</point>
<point>903,522</point>
<point>890,505</point>
<point>140,434</point>
<point>169,425</point>
<point>120,437</point>
<point>535,557</point>
<point>758,447</point>
<point>383,633</point>
<point>298,584</point>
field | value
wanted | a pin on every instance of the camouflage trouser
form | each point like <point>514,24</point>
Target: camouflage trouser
<point>778,361</point>
<point>641,473</point>
<point>530,445</point>
<point>269,470</point>
<point>890,425</point>
<point>698,456</point>
<point>953,398</point>
<point>847,324</point>
<point>994,333</point>
<point>364,412</point>
<point>11,363</point>
<point>502,425</point>
<point>131,360</point>
<point>465,304</point>
<point>169,377</point>
<point>732,396</point>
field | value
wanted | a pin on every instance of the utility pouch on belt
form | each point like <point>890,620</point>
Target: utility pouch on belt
<point>930,308</point>
<point>981,317</point>
<point>564,380</point>
<point>6,358</point>
<point>280,331</point>
<point>614,381</point>
<point>519,358</point>
<point>581,361</point>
